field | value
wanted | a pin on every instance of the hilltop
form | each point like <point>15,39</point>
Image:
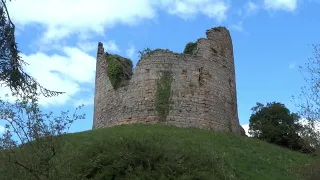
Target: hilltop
<point>141,151</point>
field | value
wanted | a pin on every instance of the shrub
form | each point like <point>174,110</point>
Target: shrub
<point>146,159</point>
<point>275,124</point>
<point>145,51</point>
<point>190,48</point>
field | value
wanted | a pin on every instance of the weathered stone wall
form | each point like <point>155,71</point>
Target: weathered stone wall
<point>203,88</point>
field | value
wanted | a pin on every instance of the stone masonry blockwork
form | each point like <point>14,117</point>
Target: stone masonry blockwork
<point>203,88</point>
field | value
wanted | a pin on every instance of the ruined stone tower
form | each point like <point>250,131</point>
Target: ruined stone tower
<point>197,90</point>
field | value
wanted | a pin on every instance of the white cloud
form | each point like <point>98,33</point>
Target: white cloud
<point>246,129</point>
<point>62,18</point>
<point>88,101</point>
<point>109,46</point>
<point>286,5</point>
<point>130,52</point>
<point>1,129</point>
<point>59,73</point>
<point>251,7</point>
<point>188,8</point>
<point>302,121</point>
<point>237,27</point>
<point>87,46</point>
<point>248,9</point>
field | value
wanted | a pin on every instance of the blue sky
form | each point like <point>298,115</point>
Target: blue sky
<point>59,40</point>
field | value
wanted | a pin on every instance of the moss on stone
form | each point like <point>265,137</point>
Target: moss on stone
<point>219,28</point>
<point>190,48</point>
<point>115,71</point>
<point>163,96</point>
<point>128,61</point>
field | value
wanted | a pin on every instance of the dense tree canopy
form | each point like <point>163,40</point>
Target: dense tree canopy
<point>275,124</point>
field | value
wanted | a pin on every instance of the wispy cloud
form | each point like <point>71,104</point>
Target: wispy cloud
<point>89,46</point>
<point>248,9</point>
<point>63,73</point>
<point>188,9</point>
<point>1,129</point>
<point>237,27</point>
<point>292,65</point>
<point>286,5</point>
<point>130,52</point>
<point>85,102</point>
<point>251,7</point>
<point>86,17</point>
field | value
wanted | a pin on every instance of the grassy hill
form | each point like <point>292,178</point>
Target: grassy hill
<point>163,152</point>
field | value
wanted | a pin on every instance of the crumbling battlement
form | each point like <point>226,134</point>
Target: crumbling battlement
<point>177,89</point>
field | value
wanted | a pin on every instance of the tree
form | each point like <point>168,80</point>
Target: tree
<point>275,124</point>
<point>31,139</point>
<point>30,142</point>
<point>309,99</point>
<point>11,71</point>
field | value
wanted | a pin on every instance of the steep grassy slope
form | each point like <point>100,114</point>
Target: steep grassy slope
<point>162,152</point>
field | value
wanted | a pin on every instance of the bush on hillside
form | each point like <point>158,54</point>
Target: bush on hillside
<point>275,124</point>
<point>146,159</point>
<point>29,145</point>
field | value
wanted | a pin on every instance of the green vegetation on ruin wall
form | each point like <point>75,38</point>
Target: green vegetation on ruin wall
<point>163,95</point>
<point>191,48</point>
<point>128,61</point>
<point>115,71</point>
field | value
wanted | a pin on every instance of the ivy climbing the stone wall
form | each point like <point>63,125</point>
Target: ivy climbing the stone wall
<point>115,71</point>
<point>163,96</point>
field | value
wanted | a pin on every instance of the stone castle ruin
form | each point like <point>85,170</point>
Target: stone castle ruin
<point>194,89</point>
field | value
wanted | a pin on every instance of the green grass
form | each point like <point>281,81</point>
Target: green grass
<point>163,152</point>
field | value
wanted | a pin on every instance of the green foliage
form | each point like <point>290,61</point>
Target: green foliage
<point>275,124</point>
<point>313,172</point>
<point>144,159</point>
<point>162,152</point>
<point>12,74</point>
<point>29,144</point>
<point>148,51</point>
<point>219,28</point>
<point>145,51</point>
<point>115,71</point>
<point>308,101</point>
<point>190,48</point>
<point>163,95</point>
<point>129,62</point>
